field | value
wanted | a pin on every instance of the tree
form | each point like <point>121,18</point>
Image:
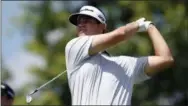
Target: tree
<point>42,19</point>
<point>5,73</point>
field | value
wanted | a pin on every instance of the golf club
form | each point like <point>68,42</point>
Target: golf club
<point>29,96</point>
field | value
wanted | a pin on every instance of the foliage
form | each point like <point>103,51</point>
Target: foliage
<point>169,17</point>
<point>5,74</point>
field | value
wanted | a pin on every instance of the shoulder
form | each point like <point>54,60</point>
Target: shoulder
<point>76,41</point>
<point>71,42</point>
<point>76,50</point>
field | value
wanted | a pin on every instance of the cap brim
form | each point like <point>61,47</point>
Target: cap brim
<point>73,17</point>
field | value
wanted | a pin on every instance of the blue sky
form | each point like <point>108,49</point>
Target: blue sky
<point>16,58</point>
<point>14,55</point>
<point>11,41</point>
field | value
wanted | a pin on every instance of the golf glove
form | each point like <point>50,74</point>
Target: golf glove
<point>143,25</point>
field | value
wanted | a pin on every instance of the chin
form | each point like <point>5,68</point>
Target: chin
<point>81,33</point>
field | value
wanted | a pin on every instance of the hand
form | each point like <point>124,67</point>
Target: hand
<point>143,25</point>
<point>150,26</point>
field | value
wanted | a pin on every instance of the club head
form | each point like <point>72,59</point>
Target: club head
<point>28,99</point>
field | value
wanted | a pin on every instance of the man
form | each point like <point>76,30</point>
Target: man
<point>7,95</point>
<point>99,79</point>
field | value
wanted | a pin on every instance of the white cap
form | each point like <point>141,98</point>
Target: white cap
<point>89,11</point>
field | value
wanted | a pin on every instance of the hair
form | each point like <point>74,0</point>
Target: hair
<point>98,22</point>
<point>104,31</point>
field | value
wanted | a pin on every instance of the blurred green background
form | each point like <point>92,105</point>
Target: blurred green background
<point>47,22</point>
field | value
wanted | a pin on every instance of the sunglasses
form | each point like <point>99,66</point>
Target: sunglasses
<point>87,19</point>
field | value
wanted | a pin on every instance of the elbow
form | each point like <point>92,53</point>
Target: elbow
<point>169,60</point>
<point>172,60</point>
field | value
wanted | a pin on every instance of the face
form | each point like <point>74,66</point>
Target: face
<point>89,26</point>
<point>6,101</point>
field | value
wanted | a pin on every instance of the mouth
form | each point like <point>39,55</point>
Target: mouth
<point>82,29</point>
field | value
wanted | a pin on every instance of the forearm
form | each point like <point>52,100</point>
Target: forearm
<point>160,46</point>
<point>129,30</point>
<point>103,41</point>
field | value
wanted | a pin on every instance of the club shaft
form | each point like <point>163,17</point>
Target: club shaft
<point>33,92</point>
<point>50,80</point>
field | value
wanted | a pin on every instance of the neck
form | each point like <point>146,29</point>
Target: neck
<point>81,34</point>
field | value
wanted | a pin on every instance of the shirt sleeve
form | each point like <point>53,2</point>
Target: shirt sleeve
<point>77,50</point>
<point>134,68</point>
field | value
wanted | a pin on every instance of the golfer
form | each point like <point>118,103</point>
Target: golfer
<point>96,78</point>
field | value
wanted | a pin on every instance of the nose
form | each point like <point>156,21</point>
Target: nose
<point>81,24</point>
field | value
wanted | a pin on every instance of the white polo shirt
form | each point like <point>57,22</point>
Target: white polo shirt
<point>100,79</point>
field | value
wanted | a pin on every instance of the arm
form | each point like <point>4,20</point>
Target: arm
<point>103,41</point>
<point>163,57</point>
<point>82,47</point>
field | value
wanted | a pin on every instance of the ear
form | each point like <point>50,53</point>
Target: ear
<point>103,27</point>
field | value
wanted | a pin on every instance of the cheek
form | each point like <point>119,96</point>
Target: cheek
<point>93,28</point>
